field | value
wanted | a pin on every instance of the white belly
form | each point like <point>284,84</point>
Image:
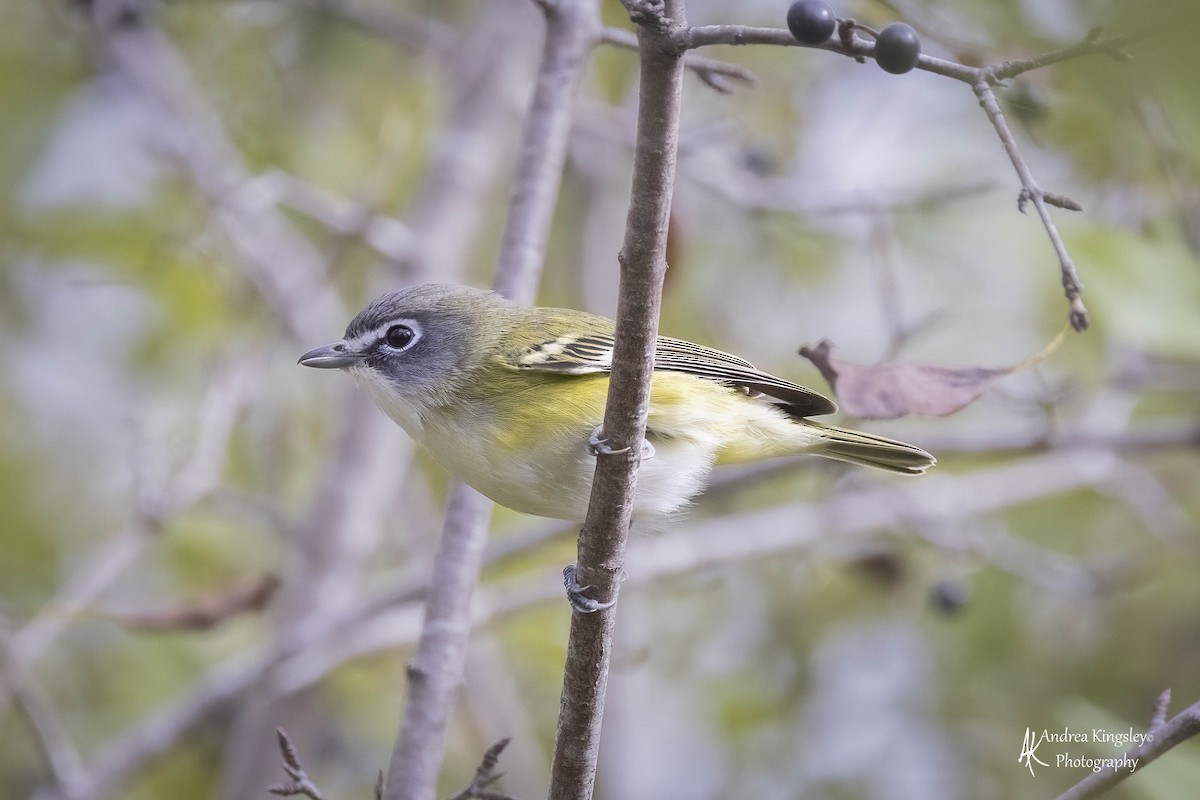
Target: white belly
<point>555,480</point>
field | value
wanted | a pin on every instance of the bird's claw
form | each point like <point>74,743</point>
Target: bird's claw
<point>575,596</point>
<point>597,445</point>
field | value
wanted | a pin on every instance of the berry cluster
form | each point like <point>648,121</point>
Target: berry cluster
<point>897,47</point>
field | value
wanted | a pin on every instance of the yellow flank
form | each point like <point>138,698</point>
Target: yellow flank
<point>542,406</point>
<point>529,407</point>
<point>744,429</point>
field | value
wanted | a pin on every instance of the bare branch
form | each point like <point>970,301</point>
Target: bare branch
<point>643,267</point>
<point>858,47</point>
<point>1163,737</point>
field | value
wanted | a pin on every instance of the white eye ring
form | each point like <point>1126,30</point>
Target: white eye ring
<point>400,336</point>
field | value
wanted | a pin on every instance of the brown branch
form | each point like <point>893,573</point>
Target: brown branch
<point>207,612</point>
<point>1166,735</point>
<point>605,531</point>
<point>437,666</point>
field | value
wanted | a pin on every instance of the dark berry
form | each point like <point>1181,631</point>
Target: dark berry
<point>811,21</point>
<point>949,596</point>
<point>897,48</point>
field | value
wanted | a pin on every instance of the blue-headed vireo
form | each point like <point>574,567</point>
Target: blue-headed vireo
<point>510,398</point>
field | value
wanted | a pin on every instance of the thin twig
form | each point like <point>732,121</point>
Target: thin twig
<point>1091,45</point>
<point>719,75</point>
<point>204,613</point>
<point>1163,737</point>
<point>1031,191</point>
<point>605,531</point>
<point>300,783</point>
<point>485,776</point>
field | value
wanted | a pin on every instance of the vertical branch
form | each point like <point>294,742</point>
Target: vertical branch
<point>435,673</point>
<point>643,267</point>
<point>436,668</point>
<point>572,28</point>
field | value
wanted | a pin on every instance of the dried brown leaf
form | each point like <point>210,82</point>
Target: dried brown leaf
<point>897,389</point>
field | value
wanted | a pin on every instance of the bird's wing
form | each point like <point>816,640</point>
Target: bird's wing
<point>592,353</point>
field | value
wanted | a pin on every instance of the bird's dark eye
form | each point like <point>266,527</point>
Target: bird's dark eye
<point>399,336</point>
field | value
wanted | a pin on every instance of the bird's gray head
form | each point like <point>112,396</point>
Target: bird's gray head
<point>409,346</point>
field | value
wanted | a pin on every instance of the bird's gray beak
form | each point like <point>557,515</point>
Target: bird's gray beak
<point>330,356</point>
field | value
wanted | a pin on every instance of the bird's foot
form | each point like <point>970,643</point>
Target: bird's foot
<point>598,445</point>
<point>575,596</point>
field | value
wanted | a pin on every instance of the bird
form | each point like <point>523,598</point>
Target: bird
<point>510,399</point>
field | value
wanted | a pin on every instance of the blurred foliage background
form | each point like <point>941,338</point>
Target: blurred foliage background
<point>198,191</point>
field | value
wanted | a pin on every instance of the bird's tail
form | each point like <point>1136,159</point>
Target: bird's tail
<point>869,450</point>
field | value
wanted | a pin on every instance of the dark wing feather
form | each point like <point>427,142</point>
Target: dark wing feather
<point>593,353</point>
